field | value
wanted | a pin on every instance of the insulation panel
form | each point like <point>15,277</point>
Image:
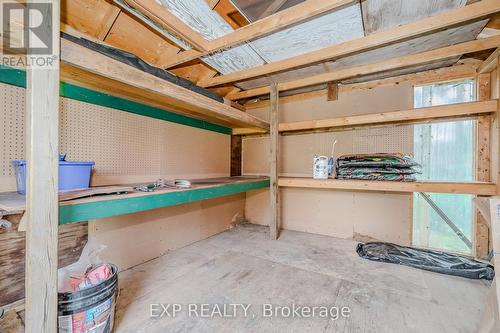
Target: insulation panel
<point>330,29</point>
<point>201,18</point>
<point>420,44</point>
<point>382,14</point>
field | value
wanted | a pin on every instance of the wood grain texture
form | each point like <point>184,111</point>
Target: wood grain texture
<point>42,155</point>
<point>181,98</point>
<point>463,70</point>
<point>71,240</point>
<point>483,165</point>
<point>379,39</point>
<point>266,26</point>
<point>432,41</point>
<point>479,188</point>
<point>490,63</point>
<point>170,21</point>
<point>198,15</point>
<point>129,35</point>
<point>411,115</point>
<point>378,67</point>
<point>274,225</point>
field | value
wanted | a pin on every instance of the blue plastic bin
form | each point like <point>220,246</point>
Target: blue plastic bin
<point>72,175</point>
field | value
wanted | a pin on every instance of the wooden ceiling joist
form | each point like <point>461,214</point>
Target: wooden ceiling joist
<point>464,70</point>
<point>260,28</point>
<point>411,30</point>
<point>382,66</point>
<point>156,12</point>
<point>265,26</point>
<point>490,63</point>
<point>139,82</point>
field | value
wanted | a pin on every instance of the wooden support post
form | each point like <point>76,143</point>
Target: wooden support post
<point>42,129</point>
<point>483,161</point>
<point>497,143</point>
<point>236,147</point>
<point>274,225</point>
<point>333,91</point>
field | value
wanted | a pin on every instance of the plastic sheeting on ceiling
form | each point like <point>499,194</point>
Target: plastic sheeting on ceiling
<point>326,30</point>
<point>202,19</point>
<point>323,31</point>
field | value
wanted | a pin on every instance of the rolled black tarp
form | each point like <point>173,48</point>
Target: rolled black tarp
<point>430,260</point>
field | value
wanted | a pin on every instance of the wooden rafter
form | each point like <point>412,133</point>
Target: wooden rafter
<point>260,28</point>
<point>278,21</point>
<point>381,66</point>
<point>467,69</point>
<point>379,39</point>
<point>156,12</point>
<point>490,63</point>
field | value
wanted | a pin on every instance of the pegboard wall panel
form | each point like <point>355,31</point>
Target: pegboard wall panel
<point>297,151</point>
<point>121,144</point>
<point>13,127</point>
<point>396,139</point>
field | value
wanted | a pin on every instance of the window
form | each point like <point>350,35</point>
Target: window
<point>447,153</point>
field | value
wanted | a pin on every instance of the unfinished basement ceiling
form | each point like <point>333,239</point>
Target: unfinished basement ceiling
<point>421,44</point>
<point>333,28</point>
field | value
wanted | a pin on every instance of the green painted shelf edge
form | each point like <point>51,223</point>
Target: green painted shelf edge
<point>17,77</point>
<point>107,208</point>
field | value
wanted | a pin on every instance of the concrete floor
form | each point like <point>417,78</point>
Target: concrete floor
<point>242,266</point>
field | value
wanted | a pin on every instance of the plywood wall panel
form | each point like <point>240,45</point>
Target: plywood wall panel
<point>72,239</point>
<point>135,238</point>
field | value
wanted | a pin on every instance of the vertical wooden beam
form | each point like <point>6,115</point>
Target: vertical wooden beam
<point>483,161</point>
<point>236,145</point>
<point>497,144</point>
<point>42,130</point>
<point>333,91</point>
<point>274,161</point>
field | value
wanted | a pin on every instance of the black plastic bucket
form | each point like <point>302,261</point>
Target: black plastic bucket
<point>89,310</point>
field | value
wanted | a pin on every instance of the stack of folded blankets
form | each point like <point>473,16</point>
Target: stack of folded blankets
<point>394,167</point>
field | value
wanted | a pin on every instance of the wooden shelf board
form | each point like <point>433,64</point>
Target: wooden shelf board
<point>98,207</point>
<point>477,188</point>
<point>403,116</point>
<point>93,70</point>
